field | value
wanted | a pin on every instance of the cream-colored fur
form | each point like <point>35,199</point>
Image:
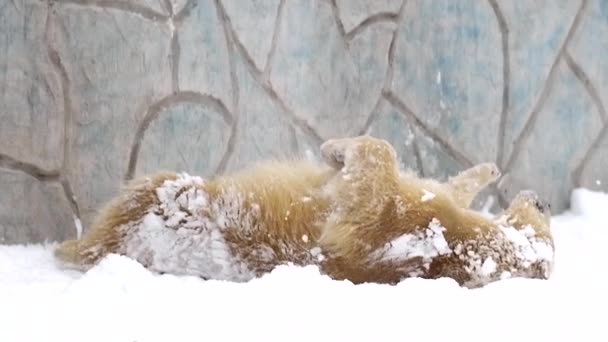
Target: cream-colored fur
<point>464,186</point>
<point>375,207</point>
<point>344,217</point>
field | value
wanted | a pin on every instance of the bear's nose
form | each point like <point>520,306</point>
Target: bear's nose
<point>539,206</point>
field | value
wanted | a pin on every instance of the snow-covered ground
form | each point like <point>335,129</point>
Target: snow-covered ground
<point>121,301</point>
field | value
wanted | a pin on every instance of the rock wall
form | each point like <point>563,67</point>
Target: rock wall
<point>93,92</point>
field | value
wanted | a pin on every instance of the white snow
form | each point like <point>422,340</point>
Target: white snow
<point>485,210</point>
<point>78,225</point>
<point>183,233</point>
<point>316,252</point>
<point>528,248</point>
<point>488,267</point>
<point>427,196</point>
<point>441,104</point>
<point>427,243</point>
<point>119,300</point>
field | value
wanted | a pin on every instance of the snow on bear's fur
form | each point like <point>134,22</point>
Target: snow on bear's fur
<point>357,218</point>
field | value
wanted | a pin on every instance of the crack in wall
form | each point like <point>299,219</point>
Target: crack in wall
<point>347,37</point>
<point>587,84</point>
<point>168,6</point>
<point>158,107</point>
<point>10,163</point>
<point>69,194</point>
<point>274,42</point>
<point>580,74</point>
<point>174,47</point>
<point>174,60</point>
<point>336,13</point>
<point>266,85</point>
<point>131,7</point>
<point>520,141</point>
<point>412,118</point>
<point>223,17</point>
<point>418,157</point>
<point>383,17</point>
<point>295,119</point>
<point>371,117</point>
<point>593,149</point>
<point>293,140</point>
<point>185,12</point>
<point>388,78</point>
<point>506,78</point>
<point>60,68</point>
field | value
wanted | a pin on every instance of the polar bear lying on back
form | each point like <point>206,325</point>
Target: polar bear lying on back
<point>357,218</point>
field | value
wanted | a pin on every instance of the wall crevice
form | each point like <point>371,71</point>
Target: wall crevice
<point>126,6</point>
<point>506,79</point>
<point>413,119</point>
<point>158,107</point>
<point>521,139</point>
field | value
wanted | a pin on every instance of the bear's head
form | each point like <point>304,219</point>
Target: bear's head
<point>528,207</point>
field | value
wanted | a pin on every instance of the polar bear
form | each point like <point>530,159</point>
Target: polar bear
<point>358,218</point>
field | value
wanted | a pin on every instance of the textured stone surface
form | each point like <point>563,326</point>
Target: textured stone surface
<point>203,53</point>
<point>33,211</point>
<point>587,41</point>
<point>569,112</point>
<point>177,5</point>
<point>417,151</point>
<point>332,85</point>
<point>117,65</point>
<point>96,92</point>
<point>355,12</point>
<point>264,129</point>
<point>594,176</point>
<point>31,101</point>
<point>255,30</point>
<point>432,58</point>
<point>395,128</point>
<point>184,137</point>
<point>537,31</point>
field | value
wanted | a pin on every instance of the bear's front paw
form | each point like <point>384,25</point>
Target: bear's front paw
<point>332,152</point>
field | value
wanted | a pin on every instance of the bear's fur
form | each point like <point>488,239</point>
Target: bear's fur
<point>359,219</point>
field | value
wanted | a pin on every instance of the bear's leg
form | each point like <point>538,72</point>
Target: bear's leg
<point>359,154</point>
<point>528,209</point>
<point>366,197</point>
<point>107,231</point>
<point>366,154</point>
<point>366,166</point>
<point>468,183</point>
<point>530,217</point>
<point>367,184</point>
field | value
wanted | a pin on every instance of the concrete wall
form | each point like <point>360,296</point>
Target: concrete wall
<point>93,92</point>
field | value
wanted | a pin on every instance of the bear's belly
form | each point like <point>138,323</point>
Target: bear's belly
<point>184,250</point>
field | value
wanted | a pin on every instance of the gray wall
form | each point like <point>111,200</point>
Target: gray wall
<point>93,92</point>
